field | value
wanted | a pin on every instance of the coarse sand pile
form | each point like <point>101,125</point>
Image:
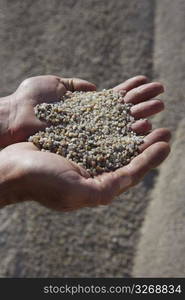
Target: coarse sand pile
<point>93,129</point>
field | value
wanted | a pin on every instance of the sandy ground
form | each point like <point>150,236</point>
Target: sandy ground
<point>161,249</point>
<point>105,42</point>
<point>162,245</point>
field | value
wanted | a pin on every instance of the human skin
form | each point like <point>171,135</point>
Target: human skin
<point>52,180</point>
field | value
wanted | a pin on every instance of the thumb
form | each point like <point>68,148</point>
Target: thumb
<point>74,84</point>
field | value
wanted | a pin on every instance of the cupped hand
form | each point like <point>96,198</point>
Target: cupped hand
<point>17,118</point>
<point>62,185</point>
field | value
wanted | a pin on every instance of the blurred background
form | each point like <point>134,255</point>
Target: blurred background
<point>104,41</point>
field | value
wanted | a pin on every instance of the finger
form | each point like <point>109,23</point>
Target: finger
<point>142,126</point>
<point>114,183</point>
<point>160,134</point>
<point>144,92</point>
<point>148,159</point>
<point>131,83</point>
<point>146,109</point>
<point>76,84</point>
<point>131,174</point>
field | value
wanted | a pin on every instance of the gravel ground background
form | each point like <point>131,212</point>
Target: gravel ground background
<point>105,42</point>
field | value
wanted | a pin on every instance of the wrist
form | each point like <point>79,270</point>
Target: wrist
<point>10,187</point>
<point>5,120</point>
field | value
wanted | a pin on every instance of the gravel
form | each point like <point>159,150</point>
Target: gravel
<point>93,129</point>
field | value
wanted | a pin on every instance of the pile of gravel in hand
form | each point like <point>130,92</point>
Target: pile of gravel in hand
<point>93,129</point>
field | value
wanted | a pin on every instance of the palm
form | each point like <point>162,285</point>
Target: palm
<point>46,177</point>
